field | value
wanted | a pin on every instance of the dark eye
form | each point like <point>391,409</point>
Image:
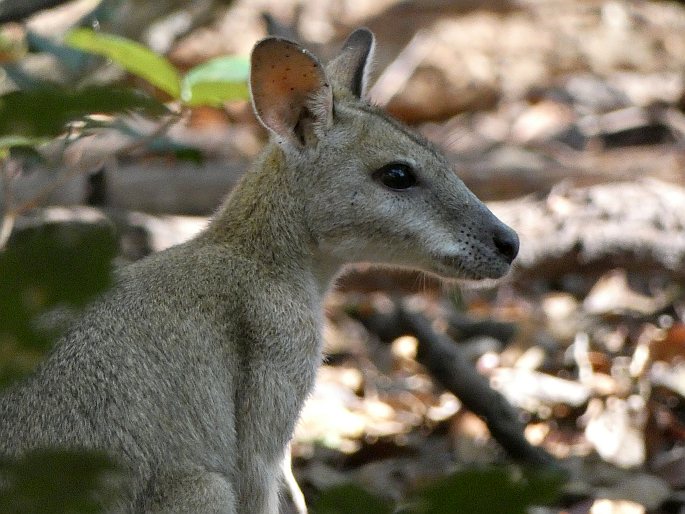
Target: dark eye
<point>396,175</point>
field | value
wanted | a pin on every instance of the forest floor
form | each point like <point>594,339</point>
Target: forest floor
<point>569,119</point>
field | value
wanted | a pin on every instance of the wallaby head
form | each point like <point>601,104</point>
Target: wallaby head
<point>371,190</point>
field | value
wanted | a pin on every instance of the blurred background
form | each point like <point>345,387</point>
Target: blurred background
<point>567,117</point>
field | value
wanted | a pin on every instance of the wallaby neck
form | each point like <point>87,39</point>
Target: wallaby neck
<point>263,219</point>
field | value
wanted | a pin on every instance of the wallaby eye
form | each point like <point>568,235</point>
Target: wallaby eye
<point>396,175</point>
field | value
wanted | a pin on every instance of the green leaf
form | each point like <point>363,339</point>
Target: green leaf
<point>52,482</point>
<point>491,490</point>
<point>45,112</point>
<point>131,56</point>
<point>218,80</point>
<point>54,265</point>
<point>7,142</point>
<point>15,146</point>
<point>349,498</point>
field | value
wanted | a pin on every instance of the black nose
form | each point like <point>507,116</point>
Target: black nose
<point>507,242</point>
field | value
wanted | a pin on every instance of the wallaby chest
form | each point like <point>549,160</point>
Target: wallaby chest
<point>279,353</point>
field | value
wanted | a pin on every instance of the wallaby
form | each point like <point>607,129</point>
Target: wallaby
<point>191,372</point>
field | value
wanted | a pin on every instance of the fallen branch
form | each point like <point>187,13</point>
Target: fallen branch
<point>638,226</point>
<point>447,365</point>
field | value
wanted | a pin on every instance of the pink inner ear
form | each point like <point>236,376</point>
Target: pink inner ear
<point>283,78</point>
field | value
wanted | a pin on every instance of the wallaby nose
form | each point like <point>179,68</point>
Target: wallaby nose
<point>507,242</point>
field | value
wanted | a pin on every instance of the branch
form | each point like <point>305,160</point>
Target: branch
<point>636,225</point>
<point>447,365</point>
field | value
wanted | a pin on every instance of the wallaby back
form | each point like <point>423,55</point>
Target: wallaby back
<point>193,369</point>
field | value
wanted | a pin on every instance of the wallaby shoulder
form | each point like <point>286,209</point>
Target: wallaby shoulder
<point>129,352</point>
<point>192,326</point>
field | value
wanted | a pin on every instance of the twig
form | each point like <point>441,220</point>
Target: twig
<point>398,73</point>
<point>447,365</point>
<point>6,228</point>
<point>11,211</point>
<point>38,198</point>
<point>161,129</point>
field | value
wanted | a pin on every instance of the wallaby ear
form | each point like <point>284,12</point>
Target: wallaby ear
<point>351,67</point>
<point>290,93</point>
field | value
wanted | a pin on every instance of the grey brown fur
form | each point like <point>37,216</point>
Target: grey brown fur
<point>193,369</point>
